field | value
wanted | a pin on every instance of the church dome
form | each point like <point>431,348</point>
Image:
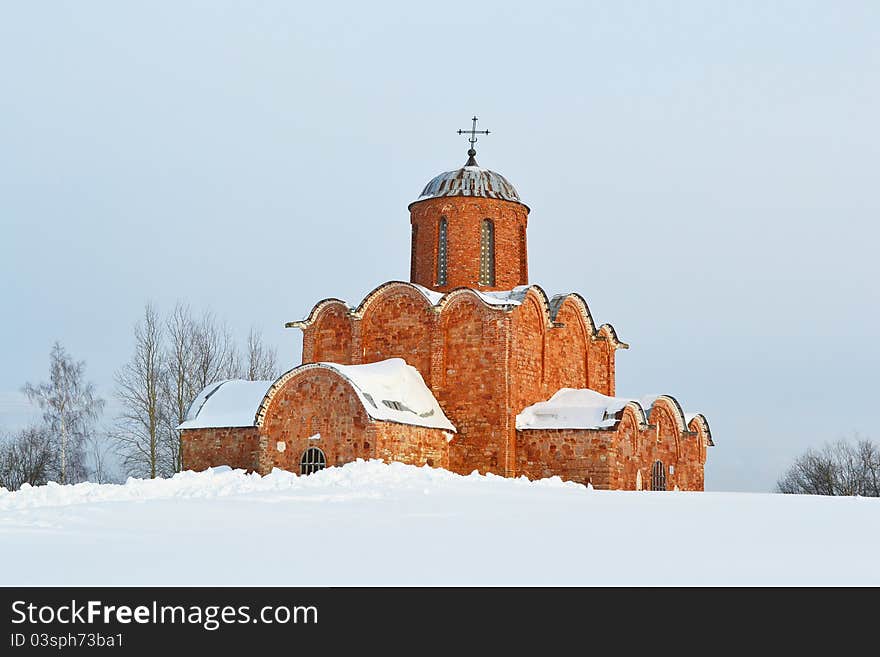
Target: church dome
<point>470,180</point>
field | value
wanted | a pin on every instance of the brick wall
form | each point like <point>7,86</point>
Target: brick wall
<point>412,445</point>
<point>464,216</point>
<point>399,325</point>
<point>472,389</point>
<point>637,448</point>
<point>566,351</point>
<point>331,340</point>
<point>484,364</point>
<point>612,459</point>
<point>572,454</point>
<point>237,447</point>
<point>316,402</point>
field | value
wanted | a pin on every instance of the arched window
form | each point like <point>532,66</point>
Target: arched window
<point>523,262</point>
<point>487,253</point>
<point>658,476</point>
<point>312,460</point>
<point>412,255</point>
<point>441,252</point>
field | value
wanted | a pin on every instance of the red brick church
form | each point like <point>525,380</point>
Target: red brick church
<point>467,367</point>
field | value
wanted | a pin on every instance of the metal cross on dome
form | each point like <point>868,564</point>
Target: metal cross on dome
<point>473,132</point>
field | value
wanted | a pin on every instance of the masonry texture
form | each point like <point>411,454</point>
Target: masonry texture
<point>464,217</point>
<point>484,357</point>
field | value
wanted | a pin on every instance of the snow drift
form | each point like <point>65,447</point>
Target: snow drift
<point>375,523</point>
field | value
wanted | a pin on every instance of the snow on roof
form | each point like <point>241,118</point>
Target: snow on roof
<point>512,297</point>
<point>394,391</point>
<point>226,404</point>
<point>571,408</point>
<point>470,181</point>
<point>433,297</point>
<point>390,390</point>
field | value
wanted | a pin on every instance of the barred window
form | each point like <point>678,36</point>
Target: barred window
<point>312,460</point>
<point>658,476</point>
<point>412,257</point>
<point>441,252</point>
<point>487,253</point>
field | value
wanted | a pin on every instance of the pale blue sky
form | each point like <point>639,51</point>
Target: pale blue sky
<point>705,174</point>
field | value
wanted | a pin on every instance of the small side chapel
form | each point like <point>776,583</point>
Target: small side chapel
<point>467,366</point>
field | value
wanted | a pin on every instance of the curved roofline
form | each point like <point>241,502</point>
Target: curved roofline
<point>317,308</point>
<point>639,411</point>
<point>260,415</point>
<point>611,334</point>
<point>543,302</point>
<point>550,307</point>
<point>701,419</point>
<point>642,415</point>
<point>463,290</point>
<point>487,198</point>
<point>677,412</point>
<point>201,398</point>
<point>559,300</point>
<point>280,382</point>
<point>470,181</point>
<point>377,291</point>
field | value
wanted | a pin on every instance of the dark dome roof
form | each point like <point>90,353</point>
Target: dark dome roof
<point>470,181</point>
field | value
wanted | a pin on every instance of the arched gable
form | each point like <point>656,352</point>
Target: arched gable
<point>462,318</point>
<point>607,332</point>
<point>313,405</point>
<point>536,294</point>
<point>638,415</point>
<point>397,321</point>
<point>567,348</point>
<point>527,351</point>
<point>667,415</point>
<point>673,408</point>
<point>331,334</point>
<point>575,301</point>
<point>392,288</point>
<point>700,426</point>
<point>317,309</point>
<point>284,382</point>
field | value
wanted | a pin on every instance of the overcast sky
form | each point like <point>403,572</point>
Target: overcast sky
<point>705,174</point>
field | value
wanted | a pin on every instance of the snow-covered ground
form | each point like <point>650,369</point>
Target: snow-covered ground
<point>371,523</point>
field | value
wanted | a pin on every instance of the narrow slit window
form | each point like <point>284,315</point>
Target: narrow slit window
<point>487,253</point>
<point>441,252</point>
<point>412,257</point>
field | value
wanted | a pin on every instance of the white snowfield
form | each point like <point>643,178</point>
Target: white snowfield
<point>383,524</point>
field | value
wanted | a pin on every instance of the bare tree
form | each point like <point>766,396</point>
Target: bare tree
<point>138,432</point>
<point>178,381</point>
<point>28,457</point>
<point>197,354</point>
<point>216,357</point>
<point>99,454</point>
<point>262,360</point>
<point>70,408</point>
<point>174,360</point>
<point>841,468</point>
